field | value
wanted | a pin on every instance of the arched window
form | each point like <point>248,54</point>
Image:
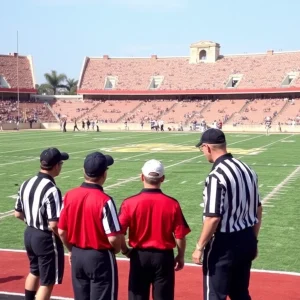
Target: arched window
<point>202,55</point>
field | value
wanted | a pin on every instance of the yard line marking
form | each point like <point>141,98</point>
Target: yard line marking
<point>170,166</point>
<point>85,141</point>
<point>6,212</point>
<point>149,152</point>
<point>137,177</point>
<point>10,163</point>
<point>80,177</point>
<point>261,185</point>
<point>269,164</point>
<point>65,177</point>
<point>254,164</point>
<point>200,182</point>
<point>280,186</point>
<point>166,181</point>
<point>183,182</point>
<point>19,161</point>
<point>13,175</point>
<point>268,205</point>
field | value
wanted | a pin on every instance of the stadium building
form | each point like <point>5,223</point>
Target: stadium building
<point>241,90</point>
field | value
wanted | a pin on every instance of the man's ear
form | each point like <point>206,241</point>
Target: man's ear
<point>142,178</point>
<point>162,179</point>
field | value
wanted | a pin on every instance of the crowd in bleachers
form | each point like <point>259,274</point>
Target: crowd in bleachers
<point>236,112</point>
<point>179,74</point>
<point>29,111</point>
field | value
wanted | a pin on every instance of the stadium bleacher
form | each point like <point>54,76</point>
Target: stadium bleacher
<point>240,90</point>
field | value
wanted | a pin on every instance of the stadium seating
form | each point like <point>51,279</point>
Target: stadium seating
<point>134,74</point>
<point>8,70</point>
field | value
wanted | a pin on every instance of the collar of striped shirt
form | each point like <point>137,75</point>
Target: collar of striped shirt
<point>221,158</point>
<point>47,176</point>
<point>92,186</point>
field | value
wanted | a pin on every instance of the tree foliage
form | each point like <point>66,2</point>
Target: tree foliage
<point>57,83</point>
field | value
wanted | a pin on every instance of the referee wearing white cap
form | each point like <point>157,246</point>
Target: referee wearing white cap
<point>232,219</point>
<point>156,226</point>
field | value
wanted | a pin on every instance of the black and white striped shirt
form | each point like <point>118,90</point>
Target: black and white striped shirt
<point>231,193</point>
<point>40,200</point>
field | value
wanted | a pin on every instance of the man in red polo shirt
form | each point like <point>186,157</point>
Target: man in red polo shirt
<point>90,229</point>
<point>156,225</point>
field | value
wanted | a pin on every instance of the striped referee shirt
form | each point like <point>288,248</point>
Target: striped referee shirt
<point>231,193</point>
<point>40,200</point>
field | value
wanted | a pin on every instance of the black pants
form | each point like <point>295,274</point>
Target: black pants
<point>150,266</point>
<point>45,252</point>
<point>226,265</point>
<point>94,274</point>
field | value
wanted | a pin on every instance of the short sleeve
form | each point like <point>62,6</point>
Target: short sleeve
<point>124,217</point>
<point>214,194</point>
<point>18,204</point>
<point>53,204</point>
<point>181,227</point>
<point>110,220</point>
<point>63,218</point>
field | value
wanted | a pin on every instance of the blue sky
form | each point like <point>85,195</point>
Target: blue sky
<point>59,33</point>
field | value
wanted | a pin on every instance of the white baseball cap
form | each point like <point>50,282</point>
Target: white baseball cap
<point>153,166</point>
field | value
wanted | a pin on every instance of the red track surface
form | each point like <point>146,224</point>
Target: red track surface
<point>264,286</point>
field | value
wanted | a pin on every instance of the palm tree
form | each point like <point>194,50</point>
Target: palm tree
<point>55,80</point>
<point>44,89</point>
<point>71,85</point>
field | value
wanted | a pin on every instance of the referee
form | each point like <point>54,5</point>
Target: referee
<point>90,229</point>
<point>39,204</point>
<point>232,219</point>
<point>156,226</point>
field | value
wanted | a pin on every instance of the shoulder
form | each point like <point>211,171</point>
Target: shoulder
<point>171,199</point>
<point>132,197</point>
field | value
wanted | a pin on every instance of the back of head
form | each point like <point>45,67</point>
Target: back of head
<point>212,136</point>
<point>51,157</point>
<point>95,166</point>
<point>153,172</point>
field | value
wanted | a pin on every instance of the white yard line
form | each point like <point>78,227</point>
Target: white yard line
<point>132,179</point>
<point>37,158</point>
<point>277,189</point>
<point>6,212</point>
<point>77,142</point>
<point>170,166</point>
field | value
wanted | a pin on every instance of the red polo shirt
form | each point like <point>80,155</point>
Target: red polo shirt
<point>89,216</point>
<point>153,220</point>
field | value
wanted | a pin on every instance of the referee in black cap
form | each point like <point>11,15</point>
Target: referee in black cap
<point>232,218</point>
<point>39,205</point>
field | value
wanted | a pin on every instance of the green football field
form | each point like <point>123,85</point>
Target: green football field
<point>275,158</point>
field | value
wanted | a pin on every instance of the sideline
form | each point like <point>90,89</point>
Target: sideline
<point>186,264</point>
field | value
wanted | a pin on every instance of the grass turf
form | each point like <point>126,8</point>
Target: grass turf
<point>273,157</point>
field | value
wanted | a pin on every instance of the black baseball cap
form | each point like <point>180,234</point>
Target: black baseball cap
<point>96,163</point>
<point>212,136</point>
<point>52,156</point>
